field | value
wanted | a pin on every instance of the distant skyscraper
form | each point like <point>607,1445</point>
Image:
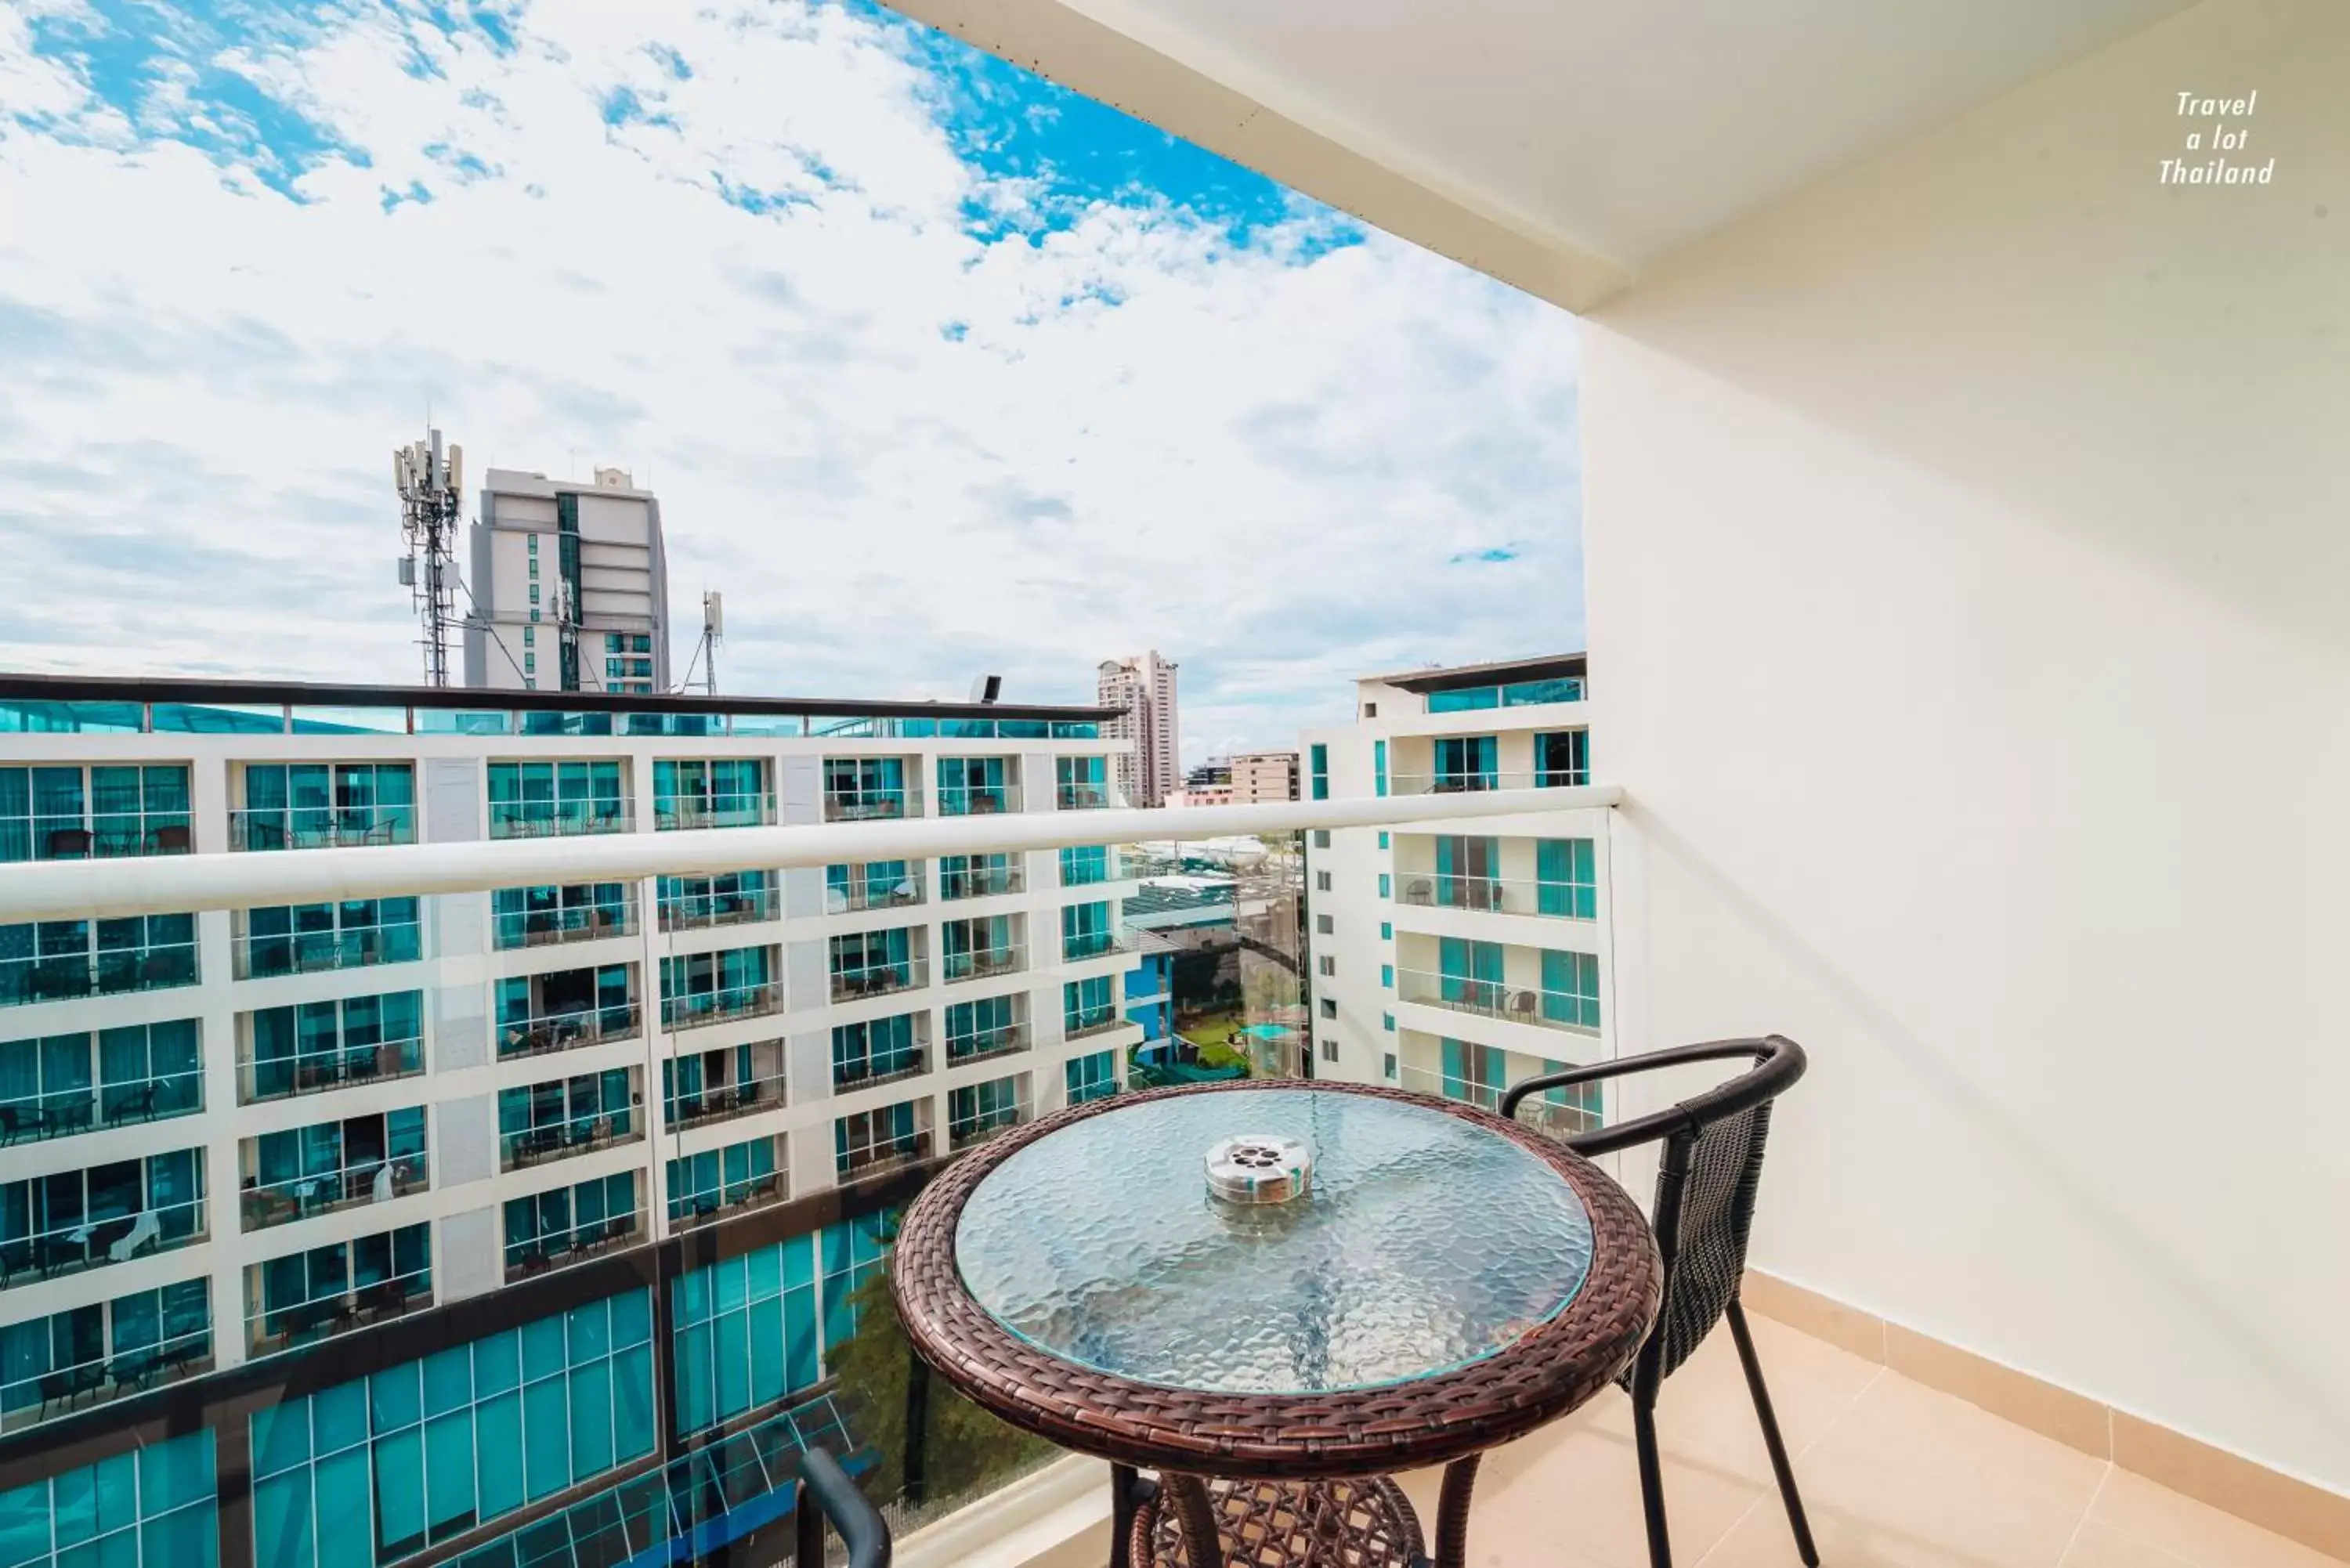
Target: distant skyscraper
<point>1144,685</point>
<point>570,587</point>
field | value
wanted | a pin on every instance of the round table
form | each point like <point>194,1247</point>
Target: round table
<point>1449,1281</point>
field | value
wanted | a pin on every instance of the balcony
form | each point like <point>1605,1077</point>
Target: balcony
<point>37,1397</point>
<point>584,1134</point>
<point>683,812</point>
<point>858,892</point>
<point>974,1116</point>
<point>48,840</point>
<point>264,1204</point>
<point>60,1113</point>
<point>561,822</point>
<point>1563,1011</point>
<point>704,1007</point>
<point>111,971</point>
<point>336,1289</point>
<point>959,881</point>
<point>876,1068</point>
<point>1485,780</point>
<point>1083,796</point>
<point>1091,1020</point>
<point>859,1160</point>
<point>978,800</point>
<point>872,804</point>
<point>879,979</point>
<point>265,828</point>
<point>318,952</point>
<point>1003,1040</point>
<point>980,963</point>
<point>1558,1119</point>
<point>316,1072</point>
<point>1496,894</point>
<point>535,1034</point>
<point>525,928</point>
<point>723,1102</point>
<point>86,1241</point>
<point>574,1243</point>
<point>1077,946</point>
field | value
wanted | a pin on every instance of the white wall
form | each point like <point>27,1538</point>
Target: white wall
<point>1969,546</point>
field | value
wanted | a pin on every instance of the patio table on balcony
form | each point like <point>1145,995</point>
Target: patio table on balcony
<point>1448,1283</point>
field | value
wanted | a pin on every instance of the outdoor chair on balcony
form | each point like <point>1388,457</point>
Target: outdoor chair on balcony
<point>1707,1178</point>
<point>70,843</point>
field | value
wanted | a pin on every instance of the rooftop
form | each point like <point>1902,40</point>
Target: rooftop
<point>1545,666</point>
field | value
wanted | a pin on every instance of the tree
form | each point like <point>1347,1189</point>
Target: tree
<point>965,1448</point>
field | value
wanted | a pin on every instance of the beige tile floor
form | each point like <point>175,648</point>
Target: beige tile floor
<point>1895,1475</point>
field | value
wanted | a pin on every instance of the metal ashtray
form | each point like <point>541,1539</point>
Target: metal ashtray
<point>1256,1167</point>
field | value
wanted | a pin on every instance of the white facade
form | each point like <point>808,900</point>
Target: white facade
<point>555,562</point>
<point>1144,684</point>
<point>771,1038</point>
<point>1382,904</point>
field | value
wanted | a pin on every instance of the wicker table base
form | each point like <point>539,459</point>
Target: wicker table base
<point>1190,1521</point>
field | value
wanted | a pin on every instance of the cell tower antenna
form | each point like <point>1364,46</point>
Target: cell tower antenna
<point>705,651</point>
<point>430,483</point>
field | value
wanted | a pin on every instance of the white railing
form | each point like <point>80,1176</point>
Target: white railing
<point>1496,894</point>
<point>979,963</point>
<point>721,1102</point>
<point>281,1202</point>
<point>78,890</point>
<point>31,1400</point>
<point>1559,1119</point>
<point>1562,1010</point>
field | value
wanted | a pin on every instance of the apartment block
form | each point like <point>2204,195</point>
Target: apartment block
<point>1143,687</point>
<point>601,1162</point>
<point>1456,960</point>
<point>570,587</point>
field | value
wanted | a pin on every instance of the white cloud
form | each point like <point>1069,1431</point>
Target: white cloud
<point>906,453</point>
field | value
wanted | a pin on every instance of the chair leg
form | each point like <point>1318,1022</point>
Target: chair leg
<point>1652,1484</point>
<point>1771,1439</point>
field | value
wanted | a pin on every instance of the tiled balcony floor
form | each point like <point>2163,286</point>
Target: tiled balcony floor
<point>1895,1474</point>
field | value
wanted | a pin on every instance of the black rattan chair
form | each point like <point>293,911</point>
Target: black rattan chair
<point>1706,1180</point>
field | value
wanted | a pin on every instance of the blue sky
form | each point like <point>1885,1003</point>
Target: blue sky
<point>937,368</point>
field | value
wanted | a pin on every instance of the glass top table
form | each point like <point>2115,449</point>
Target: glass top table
<point>1450,1282</point>
<point>1423,1242</point>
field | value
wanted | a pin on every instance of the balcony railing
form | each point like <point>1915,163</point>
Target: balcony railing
<point>971,1131</point>
<point>979,881</point>
<point>576,1244</point>
<point>714,811</point>
<point>269,1329</point>
<point>980,963</point>
<point>579,923</point>
<point>92,1243</point>
<point>542,1033</point>
<point>697,911</point>
<point>1537,1112</point>
<point>1091,1020</point>
<point>1495,895</point>
<point>1083,796</point>
<point>315,953</point>
<point>879,979</point>
<point>878,1068</point>
<point>63,1113</point>
<point>872,804</point>
<point>600,816</point>
<point>31,1400</point>
<point>701,1007</point>
<point>166,836</point>
<point>723,1102</point>
<point>856,1163</point>
<point>874,893</point>
<point>1486,779</point>
<point>266,1204</point>
<point>709,1207</point>
<point>275,1077</point>
<point>320,827</point>
<point>978,800</point>
<point>1004,1040</point>
<point>1080,945</point>
<point>1558,1009</point>
<point>548,1141</point>
<point>113,972</point>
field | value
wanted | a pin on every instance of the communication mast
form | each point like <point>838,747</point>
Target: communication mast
<point>705,652</point>
<point>430,485</point>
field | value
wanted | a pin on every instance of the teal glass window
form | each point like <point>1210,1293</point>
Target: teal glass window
<point>700,1185</point>
<point>315,806</point>
<point>565,1115</point>
<point>978,1027</point>
<point>1387,1022</point>
<point>1385,885</point>
<point>531,800</point>
<point>865,1138</point>
<point>756,1329</point>
<point>1466,762</point>
<point>381,1468</point>
<point>857,788</point>
<point>1561,759</point>
<point>736,982</point>
<point>150,1508</point>
<point>73,1219</point>
<point>1085,931</point>
<point>1379,767</point>
<point>720,793</point>
<point>71,812</point>
<point>1387,976</point>
<point>877,1048</point>
<point>1090,1077</point>
<point>1083,865</point>
<point>56,961</point>
<point>1566,880</point>
<point>548,1228</point>
<point>1387,930</point>
<point>977,1110</point>
<point>974,785</point>
<point>978,947</point>
<point>529,916</point>
<point>1383,839</point>
<point>19,717</point>
<point>307,1296</point>
<point>1089,1004</point>
<point>1321,771</point>
<point>1571,989</point>
<point>977,875</point>
<point>870,963</point>
<point>1081,782</point>
<point>303,939</point>
<point>316,1045</point>
<point>105,1350</point>
<point>70,1082</point>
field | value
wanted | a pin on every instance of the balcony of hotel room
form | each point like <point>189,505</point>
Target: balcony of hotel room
<point>567,1009</point>
<point>702,989</point>
<point>72,811</point>
<point>57,1085</point>
<point>713,1184</point>
<point>1480,1074</point>
<point>1554,756</point>
<point>977,1112</point>
<point>721,898</point>
<point>321,804</point>
<point>74,960</point>
<point>881,885</point>
<point>700,1087</point>
<point>1451,883</point>
<point>983,1028</point>
<point>104,1350</point>
<point>863,965</point>
<point>981,947</point>
<point>978,786</point>
<point>316,1047</point>
<point>571,1222</point>
<point>868,1144</point>
<point>331,1166</point>
<point>61,1218</point>
<point>1082,783</point>
<point>721,791</point>
<point>523,918</point>
<point>872,788</point>
<point>310,939</point>
<point>559,798</point>
<point>564,1117</point>
<point>305,1294</point>
<point>1516,991</point>
<point>871,1053</point>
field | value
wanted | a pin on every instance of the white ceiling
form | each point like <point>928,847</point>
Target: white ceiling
<point>1623,128</point>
